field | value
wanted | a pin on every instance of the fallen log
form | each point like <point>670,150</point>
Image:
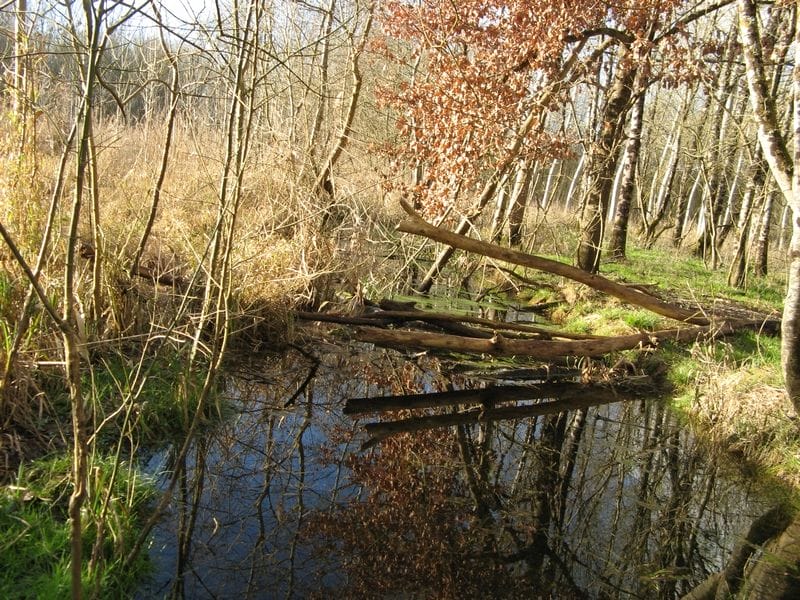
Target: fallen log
<point>395,306</point>
<point>448,322</point>
<point>381,430</point>
<point>541,349</point>
<point>563,390</point>
<point>383,318</point>
<point>417,225</point>
<point>541,332</point>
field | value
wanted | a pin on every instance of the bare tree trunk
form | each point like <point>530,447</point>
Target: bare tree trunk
<point>501,207</point>
<point>602,162</point>
<point>98,241</point>
<point>575,181</point>
<point>20,96</point>
<point>785,167</point>
<point>74,338</point>
<point>784,35</point>
<point>326,31</point>
<point>324,184</point>
<point>725,225</point>
<point>519,202</point>
<point>619,231</point>
<point>755,182</point>
<point>552,183</point>
<point>155,200</point>
<point>720,157</point>
<point>661,195</point>
<point>761,249</point>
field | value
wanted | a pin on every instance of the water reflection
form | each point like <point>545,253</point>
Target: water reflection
<point>614,501</point>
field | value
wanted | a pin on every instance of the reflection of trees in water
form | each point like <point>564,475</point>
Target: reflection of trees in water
<point>416,529</point>
<point>605,502</point>
<point>616,501</point>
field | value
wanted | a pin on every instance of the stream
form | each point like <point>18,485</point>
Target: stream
<point>614,501</point>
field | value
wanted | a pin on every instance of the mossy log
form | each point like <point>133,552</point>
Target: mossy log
<point>539,349</point>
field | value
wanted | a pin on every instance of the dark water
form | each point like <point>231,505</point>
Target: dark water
<point>614,501</point>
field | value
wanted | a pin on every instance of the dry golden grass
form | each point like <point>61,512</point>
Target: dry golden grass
<point>737,409</point>
<point>277,251</point>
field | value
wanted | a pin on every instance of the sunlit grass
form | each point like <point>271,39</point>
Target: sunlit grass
<point>687,276</point>
<point>34,550</point>
<point>732,391</point>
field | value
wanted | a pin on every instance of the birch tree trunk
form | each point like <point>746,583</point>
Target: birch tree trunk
<point>783,39</point>
<point>761,248</point>
<point>755,184</point>
<point>783,165</point>
<point>720,156</point>
<point>686,204</point>
<point>519,202</point>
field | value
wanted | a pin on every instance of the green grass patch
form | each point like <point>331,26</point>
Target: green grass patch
<point>732,392</point>
<point>689,276</point>
<point>749,349</point>
<point>148,401</point>
<point>161,395</point>
<point>756,357</point>
<point>610,319</point>
<point>34,550</point>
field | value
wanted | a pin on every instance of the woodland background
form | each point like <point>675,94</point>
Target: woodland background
<point>177,177</point>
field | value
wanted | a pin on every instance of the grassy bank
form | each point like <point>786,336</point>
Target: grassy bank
<point>34,553</point>
<point>137,402</point>
<point>730,389</point>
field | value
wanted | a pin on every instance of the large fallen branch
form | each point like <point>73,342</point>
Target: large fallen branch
<point>417,225</point>
<point>540,349</point>
<point>446,321</point>
<point>382,430</point>
<point>563,390</point>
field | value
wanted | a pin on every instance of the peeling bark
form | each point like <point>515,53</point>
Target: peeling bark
<point>783,167</point>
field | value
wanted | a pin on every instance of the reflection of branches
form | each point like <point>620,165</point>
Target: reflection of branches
<point>258,505</point>
<point>381,430</point>
<point>187,522</point>
<point>441,513</point>
<point>728,582</point>
<point>415,529</point>
<point>311,374</point>
<point>301,507</point>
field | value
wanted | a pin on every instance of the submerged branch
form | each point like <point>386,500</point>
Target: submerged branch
<point>563,390</point>
<point>597,396</point>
